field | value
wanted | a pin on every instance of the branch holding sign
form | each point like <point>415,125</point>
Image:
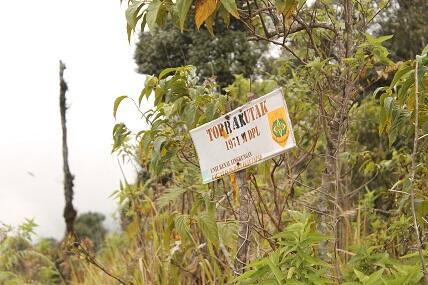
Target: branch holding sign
<point>248,135</point>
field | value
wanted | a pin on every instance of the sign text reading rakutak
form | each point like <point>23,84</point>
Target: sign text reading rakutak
<point>230,124</point>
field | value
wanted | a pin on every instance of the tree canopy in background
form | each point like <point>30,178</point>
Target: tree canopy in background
<point>90,225</point>
<point>408,22</point>
<point>221,55</point>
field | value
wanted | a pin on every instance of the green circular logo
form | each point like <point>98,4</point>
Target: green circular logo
<point>279,128</point>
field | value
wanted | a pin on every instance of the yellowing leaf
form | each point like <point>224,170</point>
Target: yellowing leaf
<point>133,228</point>
<point>287,7</point>
<point>204,9</point>
<point>235,189</point>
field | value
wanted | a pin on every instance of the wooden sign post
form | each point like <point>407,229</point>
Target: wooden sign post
<point>248,135</point>
<point>244,215</point>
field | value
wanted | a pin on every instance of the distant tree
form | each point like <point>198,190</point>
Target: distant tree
<point>90,225</point>
<point>407,21</point>
<point>222,55</point>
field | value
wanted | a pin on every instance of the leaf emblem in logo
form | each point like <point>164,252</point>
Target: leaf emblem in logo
<point>279,126</point>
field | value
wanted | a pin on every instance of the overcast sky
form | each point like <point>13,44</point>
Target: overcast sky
<point>90,37</point>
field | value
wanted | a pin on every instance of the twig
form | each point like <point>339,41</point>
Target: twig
<point>413,174</point>
<point>94,262</point>
<point>254,181</point>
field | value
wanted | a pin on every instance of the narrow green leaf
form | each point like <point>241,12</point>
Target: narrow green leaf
<point>411,255</point>
<point>151,82</point>
<point>117,103</point>
<point>403,94</point>
<point>143,22</point>
<point>157,145</point>
<point>381,39</point>
<point>294,282</point>
<point>129,32</point>
<point>222,12</point>
<point>269,282</point>
<point>400,74</point>
<point>425,51</point>
<point>279,275</point>
<point>120,135</point>
<point>375,278</point>
<point>361,276</point>
<point>152,14</point>
<point>167,71</point>
<point>183,7</point>
<point>230,6</point>
<point>379,89</point>
<point>317,237</point>
<point>131,15</point>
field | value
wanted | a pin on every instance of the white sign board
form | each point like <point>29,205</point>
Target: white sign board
<point>243,137</point>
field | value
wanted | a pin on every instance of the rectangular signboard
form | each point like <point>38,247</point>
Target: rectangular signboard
<point>243,137</point>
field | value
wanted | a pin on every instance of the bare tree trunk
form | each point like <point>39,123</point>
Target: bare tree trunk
<point>69,211</point>
<point>348,87</point>
<point>335,131</point>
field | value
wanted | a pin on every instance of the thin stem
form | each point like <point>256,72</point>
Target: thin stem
<point>89,258</point>
<point>412,176</point>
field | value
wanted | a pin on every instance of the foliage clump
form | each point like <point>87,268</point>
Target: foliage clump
<point>218,56</point>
